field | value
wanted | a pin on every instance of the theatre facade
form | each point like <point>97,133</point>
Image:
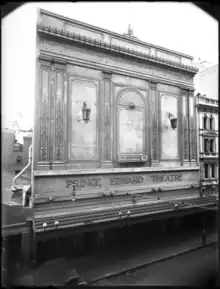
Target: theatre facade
<point>115,129</point>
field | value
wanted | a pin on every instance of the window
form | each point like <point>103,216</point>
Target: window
<point>206,167</point>
<point>206,145</point>
<point>209,145</point>
<point>211,141</point>
<point>213,170</point>
<point>205,122</point>
<point>212,123</point>
<point>18,147</point>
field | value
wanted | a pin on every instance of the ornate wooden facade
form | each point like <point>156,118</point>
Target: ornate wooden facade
<point>126,157</point>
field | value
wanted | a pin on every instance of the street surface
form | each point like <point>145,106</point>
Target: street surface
<point>191,269</point>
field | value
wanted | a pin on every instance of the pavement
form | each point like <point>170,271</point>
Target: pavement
<point>195,268</point>
<point>103,264</point>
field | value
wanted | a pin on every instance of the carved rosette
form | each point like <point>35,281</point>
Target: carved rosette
<point>44,116</point>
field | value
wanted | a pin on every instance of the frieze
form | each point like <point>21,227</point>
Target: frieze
<point>106,45</point>
<point>124,180</point>
<point>114,61</point>
<point>168,88</point>
<point>93,185</point>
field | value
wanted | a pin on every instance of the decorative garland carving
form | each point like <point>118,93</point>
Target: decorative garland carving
<point>88,40</point>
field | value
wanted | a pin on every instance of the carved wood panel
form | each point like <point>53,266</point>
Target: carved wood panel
<point>154,113</point>
<point>45,114</point>
<point>59,137</point>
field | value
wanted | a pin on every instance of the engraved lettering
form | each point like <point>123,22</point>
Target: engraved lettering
<point>166,178</point>
<point>82,183</point>
<point>126,180</point>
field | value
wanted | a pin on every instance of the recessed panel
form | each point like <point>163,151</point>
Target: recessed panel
<point>83,135</point>
<point>169,136</point>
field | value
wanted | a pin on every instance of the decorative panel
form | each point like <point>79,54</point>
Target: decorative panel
<point>168,88</point>
<point>83,143</point>
<point>169,136</point>
<point>185,127</point>
<point>192,120</point>
<point>154,113</point>
<point>83,31</point>
<point>131,46</point>
<point>45,115</point>
<point>131,123</point>
<point>107,116</point>
<point>168,56</point>
<point>59,137</point>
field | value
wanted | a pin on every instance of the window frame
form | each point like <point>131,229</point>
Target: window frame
<point>206,165</point>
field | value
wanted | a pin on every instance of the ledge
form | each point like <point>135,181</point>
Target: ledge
<point>112,171</point>
<point>69,219</point>
<point>47,29</point>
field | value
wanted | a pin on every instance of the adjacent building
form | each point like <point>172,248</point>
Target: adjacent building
<point>15,149</point>
<point>207,109</point>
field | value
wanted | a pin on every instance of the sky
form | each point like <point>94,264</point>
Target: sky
<point>179,26</point>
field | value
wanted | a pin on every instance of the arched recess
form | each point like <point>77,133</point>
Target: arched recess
<point>131,126</point>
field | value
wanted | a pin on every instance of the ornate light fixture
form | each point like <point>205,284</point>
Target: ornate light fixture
<point>173,120</point>
<point>86,112</point>
<point>131,105</point>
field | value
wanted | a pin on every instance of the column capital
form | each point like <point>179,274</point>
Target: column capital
<point>153,85</point>
<point>106,75</point>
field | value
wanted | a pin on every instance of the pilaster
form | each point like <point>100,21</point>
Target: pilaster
<point>107,119</point>
<point>155,147</point>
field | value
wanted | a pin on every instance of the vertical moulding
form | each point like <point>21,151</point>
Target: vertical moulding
<point>107,119</point>
<point>45,117</point>
<point>185,147</point>
<point>192,129</point>
<point>154,123</point>
<point>58,116</point>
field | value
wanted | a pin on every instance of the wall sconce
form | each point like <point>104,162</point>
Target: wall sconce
<point>86,112</point>
<point>173,120</point>
<point>131,105</point>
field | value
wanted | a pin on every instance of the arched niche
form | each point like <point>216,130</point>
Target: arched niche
<point>131,133</point>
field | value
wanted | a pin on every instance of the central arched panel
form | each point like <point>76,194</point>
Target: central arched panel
<point>131,125</point>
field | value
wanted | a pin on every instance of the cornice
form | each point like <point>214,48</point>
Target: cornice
<point>121,36</point>
<point>207,108</point>
<point>46,29</point>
